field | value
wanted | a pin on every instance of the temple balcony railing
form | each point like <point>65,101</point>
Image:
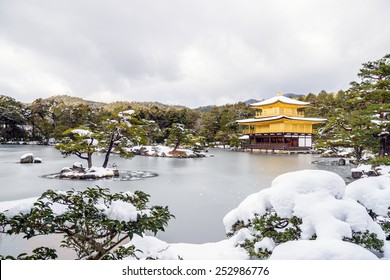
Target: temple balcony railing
<point>273,146</point>
<point>268,114</point>
<point>253,131</point>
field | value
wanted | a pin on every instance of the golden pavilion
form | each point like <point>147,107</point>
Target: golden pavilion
<point>279,125</point>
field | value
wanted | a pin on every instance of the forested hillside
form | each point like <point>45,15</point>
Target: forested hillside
<point>49,118</point>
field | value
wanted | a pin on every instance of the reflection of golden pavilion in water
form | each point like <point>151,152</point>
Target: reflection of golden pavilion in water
<point>280,125</point>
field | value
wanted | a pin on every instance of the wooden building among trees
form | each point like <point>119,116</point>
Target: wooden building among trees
<point>279,125</point>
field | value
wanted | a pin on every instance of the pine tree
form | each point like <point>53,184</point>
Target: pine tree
<point>358,118</point>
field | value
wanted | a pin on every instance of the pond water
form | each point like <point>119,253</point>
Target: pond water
<point>199,192</point>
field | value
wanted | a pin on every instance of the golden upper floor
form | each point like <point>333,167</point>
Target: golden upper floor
<point>279,124</point>
<point>276,111</point>
<point>279,105</point>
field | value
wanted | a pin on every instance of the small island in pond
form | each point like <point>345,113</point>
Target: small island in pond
<point>79,172</point>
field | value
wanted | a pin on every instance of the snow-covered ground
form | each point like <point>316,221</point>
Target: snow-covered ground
<point>164,151</point>
<point>87,173</point>
<point>328,209</point>
<point>366,168</point>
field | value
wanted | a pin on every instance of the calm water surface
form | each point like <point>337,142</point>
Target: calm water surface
<point>199,192</point>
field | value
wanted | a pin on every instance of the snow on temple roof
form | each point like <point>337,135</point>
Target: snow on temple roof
<point>281,99</point>
<point>281,117</point>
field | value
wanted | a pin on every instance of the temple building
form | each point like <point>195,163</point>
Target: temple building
<point>279,125</point>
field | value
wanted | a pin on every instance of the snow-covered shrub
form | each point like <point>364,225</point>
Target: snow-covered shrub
<point>268,231</point>
<point>94,222</point>
<point>374,194</point>
<point>302,205</point>
<point>380,160</point>
<point>40,253</point>
<point>197,147</point>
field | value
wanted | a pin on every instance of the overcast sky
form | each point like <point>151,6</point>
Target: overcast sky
<point>191,53</point>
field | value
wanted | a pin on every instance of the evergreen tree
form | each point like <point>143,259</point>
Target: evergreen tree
<point>357,118</point>
<point>79,142</point>
<point>112,134</point>
<point>94,223</point>
<point>12,118</point>
<point>178,135</point>
<point>120,133</point>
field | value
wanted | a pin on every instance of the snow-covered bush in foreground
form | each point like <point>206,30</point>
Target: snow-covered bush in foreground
<point>374,194</point>
<point>304,215</point>
<point>94,223</point>
<point>307,205</point>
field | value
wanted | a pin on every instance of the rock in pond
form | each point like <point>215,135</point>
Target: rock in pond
<point>27,158</point>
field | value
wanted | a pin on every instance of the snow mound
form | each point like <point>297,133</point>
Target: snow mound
<point>121,211</point>
<point>21,206</point>
<point>152,247</point>
<point>330,218</point>
<point>284,193</point>
<point>24,206</point>
<point>254,204</point>
<point>372,192</point>
<point>314,196</point>
<point>310,181</point>
<point>321,250</point>
<point>117,210</point>
<point>222,250</point>
<point>286,188</point>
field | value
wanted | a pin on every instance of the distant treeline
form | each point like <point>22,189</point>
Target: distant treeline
<point>49,118</point>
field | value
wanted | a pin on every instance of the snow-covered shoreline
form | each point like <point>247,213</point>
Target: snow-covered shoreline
<point>165,151</point>
<point>329,210</point>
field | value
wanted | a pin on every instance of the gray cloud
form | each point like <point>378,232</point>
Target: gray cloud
<point>186,52</point>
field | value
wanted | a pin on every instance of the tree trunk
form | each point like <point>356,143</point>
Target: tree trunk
<point>108,153</point>
<point>387,146</point>
<point>177,145</point>
<point>89,159</point>
<point>382,144</point>
<point>358,153</point>
<point>6,133</point>
<point>33,131</point>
